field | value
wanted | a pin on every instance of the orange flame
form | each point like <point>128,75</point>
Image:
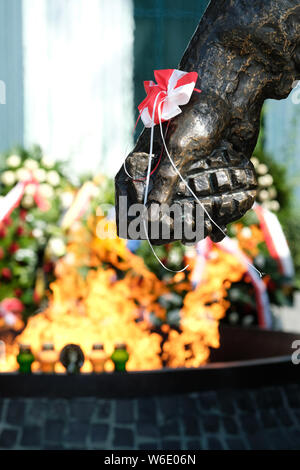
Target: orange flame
<point>104,293</point>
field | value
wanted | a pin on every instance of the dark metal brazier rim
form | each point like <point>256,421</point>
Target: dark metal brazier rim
<point>247,358</point>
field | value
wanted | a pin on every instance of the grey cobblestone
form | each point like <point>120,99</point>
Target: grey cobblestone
<point>268,398</point>
<point>235,444</point>
<point>250,423</point>
<point>188,406</point>
<point>191,426</point>
<point>268,418</point>
<point>53,447</point>
<point>211,423</point>
<point>147,410</point>
<point>77,432</point>
<point>293,436</point>
<point>124,411</point>
<point>293,396</point>
<point>259,441</point>
<point>230,425</point>
<point>82,410</point>
<point>54,429</point>
<point>99,433</point>
<point>147,430</point>
<point>244,401</point>
<point>58,409</point>
<point>208,401</point>
<point>31,437</point>
<point>169,407</point>
<point>285,417</point>
<point>15,412</point>
<point>104,409</point>
<point>226,404</point>
<point>278,440</point>
<point>171,428</point>
<point>193,445</point>
<point>1,407</point>
<point>8,438</point>
<point>123,437</point>
<point>171,445</point>
<point>36,412</point>
<point>265,419</point>
<point>214,444</point>
<point>148,446</point>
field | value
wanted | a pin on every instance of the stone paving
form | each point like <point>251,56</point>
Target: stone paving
<point>267,418</point>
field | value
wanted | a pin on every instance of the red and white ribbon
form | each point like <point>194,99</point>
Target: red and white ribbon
<point>13,198</point>
<point>230,246</point>
<point>261,295</point>
<point>203,248</point>
<point>173,89</point>
<point>80,204</point>
<point>275,240</point>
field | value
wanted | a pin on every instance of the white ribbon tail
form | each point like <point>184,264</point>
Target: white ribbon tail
<point>146,194</point>
<point>202,250</point>
<point>261,295</point>
<point>275,240</point>
<point>11,200</point>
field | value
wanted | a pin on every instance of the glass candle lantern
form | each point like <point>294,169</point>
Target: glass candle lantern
<point>72,358</point>
<point>98,358</point>
<point>48,358</point>
<point>25,358</point>
<point>120,357</point>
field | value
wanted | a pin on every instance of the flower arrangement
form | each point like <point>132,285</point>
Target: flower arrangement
<point>30,238</point>
<point>103,292</point>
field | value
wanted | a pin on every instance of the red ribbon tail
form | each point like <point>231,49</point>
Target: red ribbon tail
<point>41,202</point>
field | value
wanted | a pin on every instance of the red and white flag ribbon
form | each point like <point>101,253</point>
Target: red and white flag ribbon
<point>173,89</point>
<point>275,240</point>
<point>203,248</point>
<point>80,204</point>
<point>13,198</point>
<point>261,295</point>
<point>230,246</point>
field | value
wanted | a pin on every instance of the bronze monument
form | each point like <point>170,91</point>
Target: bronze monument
<point>244,52</point>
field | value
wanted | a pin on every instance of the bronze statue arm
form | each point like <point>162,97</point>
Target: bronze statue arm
<point>244,52</point>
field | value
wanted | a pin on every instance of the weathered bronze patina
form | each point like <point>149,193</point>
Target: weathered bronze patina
<point>244,52</point>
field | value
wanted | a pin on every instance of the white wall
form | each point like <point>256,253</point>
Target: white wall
<point>78,80</point>
<point>283,134</point>
<point>11,73</point>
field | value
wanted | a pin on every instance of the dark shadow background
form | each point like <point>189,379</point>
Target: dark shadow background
<point>163,29</point>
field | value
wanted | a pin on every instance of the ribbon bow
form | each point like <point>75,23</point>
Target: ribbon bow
<point>173,88</point>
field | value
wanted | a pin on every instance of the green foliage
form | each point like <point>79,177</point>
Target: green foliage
<point>31,238</point>
<point>278,171</point>
<point>171,255</point>
<point>291,225</point>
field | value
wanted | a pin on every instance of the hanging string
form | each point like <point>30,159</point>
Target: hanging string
<point>140,180</point>
<point>188,187</point>
<point>147,190</point>
<point>149,173</point>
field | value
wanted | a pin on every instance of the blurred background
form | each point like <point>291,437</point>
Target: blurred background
<point>72,77</point>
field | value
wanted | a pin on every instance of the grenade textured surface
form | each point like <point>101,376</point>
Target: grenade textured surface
<point>244,52</point>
